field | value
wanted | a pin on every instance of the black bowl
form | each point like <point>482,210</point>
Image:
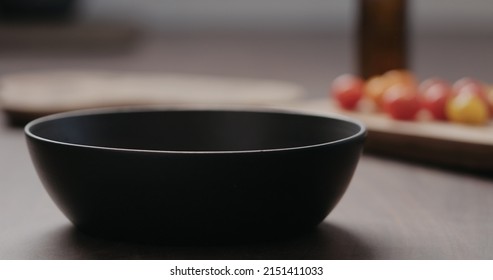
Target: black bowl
<point>166,175</point>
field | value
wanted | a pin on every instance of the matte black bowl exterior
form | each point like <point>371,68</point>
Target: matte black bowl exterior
<point>186,175</point>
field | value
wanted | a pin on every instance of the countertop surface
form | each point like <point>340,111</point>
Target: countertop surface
<point>393,209</point>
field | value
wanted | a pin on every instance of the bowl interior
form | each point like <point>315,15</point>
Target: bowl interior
<point>193,130</point>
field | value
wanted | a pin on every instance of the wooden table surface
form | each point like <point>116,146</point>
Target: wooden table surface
<point>392,210</point>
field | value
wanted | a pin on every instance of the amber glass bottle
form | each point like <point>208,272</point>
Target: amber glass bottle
<point>382,36</point>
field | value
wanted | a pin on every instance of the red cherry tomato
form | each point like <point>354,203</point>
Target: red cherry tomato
<point>470,85</point>
<point>423,86</point>
<point>434,96</point>
<point>401,102</point>
<point>347,90</point>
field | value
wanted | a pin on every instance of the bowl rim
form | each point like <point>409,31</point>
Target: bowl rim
<point>136,109</point>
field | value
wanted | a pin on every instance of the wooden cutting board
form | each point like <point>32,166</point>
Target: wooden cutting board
<point>453,145</point>
<point>25,96</point>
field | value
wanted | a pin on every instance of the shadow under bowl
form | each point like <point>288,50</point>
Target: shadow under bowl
<point>172,175</point>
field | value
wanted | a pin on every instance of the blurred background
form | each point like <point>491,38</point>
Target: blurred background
<point>307,42</point>
<point>430,16</point>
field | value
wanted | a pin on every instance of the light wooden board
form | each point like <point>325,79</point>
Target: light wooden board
<point>446,144</point>
<point>24,96</point>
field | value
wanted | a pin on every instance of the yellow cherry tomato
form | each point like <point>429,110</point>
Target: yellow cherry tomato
<point>468,109</point>
<point>400,76</point>
<point>374,89</point>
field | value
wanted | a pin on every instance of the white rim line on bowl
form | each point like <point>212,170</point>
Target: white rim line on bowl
<point>131,109</point>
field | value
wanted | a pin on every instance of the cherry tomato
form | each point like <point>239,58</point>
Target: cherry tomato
<point>423,86</point>
<point>475,87</point>
<point>347,90</point>
<point>376,86</point>
<point>374,89</point>
<point>434,96</point>
<point>400,76</point>
<point>401,102</point>
<point>467,108</point>
<point>470,85</point>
